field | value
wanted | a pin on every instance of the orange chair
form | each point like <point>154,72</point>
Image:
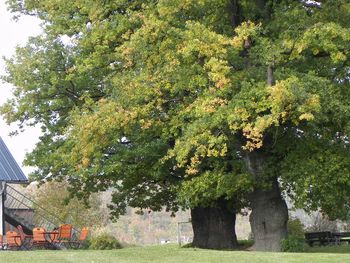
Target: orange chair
<point>13,240</point>
<point>39,238</point>
<point>64,235</point>
<point>83,236</point>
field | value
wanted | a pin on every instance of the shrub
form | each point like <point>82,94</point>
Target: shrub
<point>293,244</point>
<point>295,228</point>
<point>295,241</point>
<point>104,241</point>
<point>86,244</point>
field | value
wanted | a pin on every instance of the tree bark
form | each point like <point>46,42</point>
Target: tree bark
<point>270,77</point>
<point>214,227</point>
<point>269,215</point>
<point>236,13</point>
<point>268,219</point>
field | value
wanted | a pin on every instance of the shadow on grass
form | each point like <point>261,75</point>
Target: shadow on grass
<point>243,245</point>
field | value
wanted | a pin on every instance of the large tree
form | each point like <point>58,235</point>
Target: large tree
<point>72,65</point>
<point>206,104</point>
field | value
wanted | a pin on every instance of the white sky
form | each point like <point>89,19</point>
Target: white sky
<point>14,33</point>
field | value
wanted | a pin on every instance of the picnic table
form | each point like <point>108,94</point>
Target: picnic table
<point>340,237</point>
<point>324,238</point>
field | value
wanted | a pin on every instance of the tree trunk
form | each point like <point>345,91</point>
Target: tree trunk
<point>269,215</point>
<point>269,218</point>
<point>214,227</point>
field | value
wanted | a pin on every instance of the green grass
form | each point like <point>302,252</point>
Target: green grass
<point>343,249</point>
<point>171,254</point>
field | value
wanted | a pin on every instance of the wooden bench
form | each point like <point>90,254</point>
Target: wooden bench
<point>322,238</point>
<point>341,237</point>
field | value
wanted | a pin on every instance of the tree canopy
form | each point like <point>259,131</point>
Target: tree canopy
<point>168,101</point>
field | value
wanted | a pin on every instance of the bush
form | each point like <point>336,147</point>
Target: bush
<point>293,244</point>
<point>104,241</point>
<point>295,241</point>
<point>86,244</point>
<point>295,228</point>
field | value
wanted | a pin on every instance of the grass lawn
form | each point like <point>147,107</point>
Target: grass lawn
<point>173,254</point>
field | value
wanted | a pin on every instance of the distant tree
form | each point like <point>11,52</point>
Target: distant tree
<point>54,198</point>
<point>213,105</point>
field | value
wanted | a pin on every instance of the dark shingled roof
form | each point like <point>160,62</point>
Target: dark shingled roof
<point>9,169</point>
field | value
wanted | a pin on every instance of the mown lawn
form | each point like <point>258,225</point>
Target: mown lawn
<point>169,254</point>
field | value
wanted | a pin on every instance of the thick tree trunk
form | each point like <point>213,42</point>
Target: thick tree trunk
<point>269,215</point>
<point>214,227</point>
<point>268,219</point>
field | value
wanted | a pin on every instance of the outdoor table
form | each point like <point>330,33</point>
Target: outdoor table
<point>18,237</point>
<point>51,236</point>
<point>27,242</point>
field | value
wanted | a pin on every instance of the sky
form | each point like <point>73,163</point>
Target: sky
<point>12,34</point>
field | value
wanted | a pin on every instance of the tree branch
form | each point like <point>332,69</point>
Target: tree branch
<point>270,77</point>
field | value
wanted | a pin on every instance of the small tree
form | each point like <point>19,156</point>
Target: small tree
<point>54,197</point>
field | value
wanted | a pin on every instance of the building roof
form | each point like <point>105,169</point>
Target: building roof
<point>9,169</point>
